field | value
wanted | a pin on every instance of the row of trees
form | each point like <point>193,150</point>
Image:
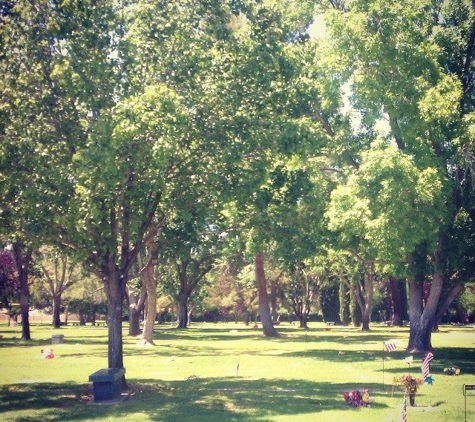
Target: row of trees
<point>144,139</point>
<point>62,290</point>
<point>60,287</point>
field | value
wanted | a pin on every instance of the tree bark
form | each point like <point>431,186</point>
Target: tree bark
<point>355,310</point>
<point>115,290</point>
<point>57,281</point>
<point>300,312</point>
<point>264,309</point>
<point>420,322</point>
<point>273,298</point>
<point>422,318</point>
<point>23,267</point>
<point>182,310</point>
<point>365,299</point>
<point>303,321</point>
<point>56,311</point>
<point>344,297</point>
<point>135,309</point>
<point>453,294</point>
<point>149,283</point>
<point>396,309</point>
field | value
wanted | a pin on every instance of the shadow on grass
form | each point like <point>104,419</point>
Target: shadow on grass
<point>459,357</point>
<point>7,343</point>
<point>290,334</point>
<point>210,400</point>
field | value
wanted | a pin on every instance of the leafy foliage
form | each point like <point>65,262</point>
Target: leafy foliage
<point>9,281</point>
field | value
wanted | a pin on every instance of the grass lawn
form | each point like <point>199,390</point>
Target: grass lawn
<point>193,375</point>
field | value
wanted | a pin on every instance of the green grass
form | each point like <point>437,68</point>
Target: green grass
<point>299,376</point>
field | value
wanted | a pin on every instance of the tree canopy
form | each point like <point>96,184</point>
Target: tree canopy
<point>185,124</point>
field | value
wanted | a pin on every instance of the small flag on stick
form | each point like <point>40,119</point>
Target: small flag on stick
<point>391,345</point>
<point>404,410</point>
<point>425,367</point>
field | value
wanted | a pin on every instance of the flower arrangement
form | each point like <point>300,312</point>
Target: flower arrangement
<point>452,371</point>
<point>409,382</point>
<point>357,398</point>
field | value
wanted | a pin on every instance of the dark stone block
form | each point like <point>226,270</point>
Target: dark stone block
<point>107,384</point>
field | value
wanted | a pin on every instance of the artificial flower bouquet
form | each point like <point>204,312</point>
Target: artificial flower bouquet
<point>409,382</point>
<point>357,398</point>
<point>452,371</point>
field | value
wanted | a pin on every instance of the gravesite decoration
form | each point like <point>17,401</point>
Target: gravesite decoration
<point>404,410</point>
<point>425,368</point>
<point>47,353</point>
<point>357,398</point>
<point>389,346</point>
<point>452,371</point>
<point>411,385</point>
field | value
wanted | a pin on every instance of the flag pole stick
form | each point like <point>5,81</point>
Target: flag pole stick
<point>383,366</point>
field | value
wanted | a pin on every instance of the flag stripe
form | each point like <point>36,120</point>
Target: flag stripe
<point>404,410</point>
<point>425,367</point>
<point>389,346</point>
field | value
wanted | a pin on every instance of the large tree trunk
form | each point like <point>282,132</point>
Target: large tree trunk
<point>115,289</point>
<point>344,297</point>
<point>453,295</point>
<point>182,310</point>
<point>303,320</point>
<point>149,283</point>
<point>56,311</point>
<point>422,318</point>
<point>264,309</point>
<point>93,317</point>
<point>420,323</point>
<point>396,308</point>
<point>355,309</point>
<point>23,268</point>
<point>273,298</point>
<point>366,300</point>
<point>190,314</point>
<point>299,311</point>
<point>135,310</point>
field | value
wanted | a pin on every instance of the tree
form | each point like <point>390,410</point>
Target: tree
<point>397,294</point>
<point>102,102</point>
<point>59,274</point>
<point>395,52</point>
<point>149,278</point>
<point>264,309</point>
<point>164,96</point>
<point>86,298</point>
<point>9,282</point>
<point>23,261</point>
<point>232,286</point>
<point>302,291</point>
<point>386,209</point>
<point>278,174</point>
<point>136,298</point>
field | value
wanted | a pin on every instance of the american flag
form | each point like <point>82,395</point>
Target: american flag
<point>404,410</point>
<point>425,367</point>
<point>391,345</point>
